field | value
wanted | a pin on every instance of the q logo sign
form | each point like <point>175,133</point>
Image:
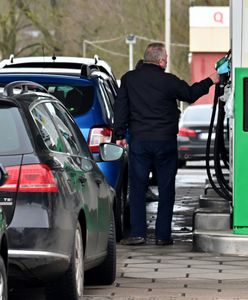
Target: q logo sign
<point>218,17</point>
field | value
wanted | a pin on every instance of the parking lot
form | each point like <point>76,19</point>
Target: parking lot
<point>171,272</point>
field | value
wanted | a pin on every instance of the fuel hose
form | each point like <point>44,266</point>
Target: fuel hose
<point>221,187</point>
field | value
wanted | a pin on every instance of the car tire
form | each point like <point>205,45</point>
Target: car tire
<point>105,273</point>
<point>3,281</point>
<point>71,285</point>
<point>122,217</point>
<point>126,221</point>
<point>181,163</point>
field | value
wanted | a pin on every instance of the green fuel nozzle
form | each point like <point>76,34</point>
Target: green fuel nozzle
<point>222,66</point>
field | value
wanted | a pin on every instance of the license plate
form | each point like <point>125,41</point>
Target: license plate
<point>204,136</point>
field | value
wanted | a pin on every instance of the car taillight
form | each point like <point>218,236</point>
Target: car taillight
<point>33,178</point>
<point>11,183</point>
<point>186,132</point>
<point>98,136</point>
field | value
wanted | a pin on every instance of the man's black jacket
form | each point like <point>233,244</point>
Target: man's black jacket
<point>146,103</point>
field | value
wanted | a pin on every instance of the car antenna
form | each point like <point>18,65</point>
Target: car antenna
<point>96,57</point>
<point>11,58</point>
<point>54,57</point>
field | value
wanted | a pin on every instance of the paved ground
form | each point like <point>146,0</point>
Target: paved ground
<point>175,272</point>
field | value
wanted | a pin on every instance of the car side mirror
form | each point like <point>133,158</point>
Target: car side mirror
<point>3,175</point>
<point>110,152</point>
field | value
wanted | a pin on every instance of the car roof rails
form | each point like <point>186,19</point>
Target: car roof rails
<point>9,88</point>
<point>87,70</point>
<point>59,62</point>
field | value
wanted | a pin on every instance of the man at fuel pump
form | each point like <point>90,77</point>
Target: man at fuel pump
<point>146,106</point>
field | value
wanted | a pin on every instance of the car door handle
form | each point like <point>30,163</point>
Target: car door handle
<point>82,180</point>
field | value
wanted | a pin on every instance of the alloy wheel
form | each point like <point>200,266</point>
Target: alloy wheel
<point>79,270</point>
<point>2,287</point>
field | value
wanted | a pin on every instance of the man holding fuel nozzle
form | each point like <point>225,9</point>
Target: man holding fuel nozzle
<point>146,106</point>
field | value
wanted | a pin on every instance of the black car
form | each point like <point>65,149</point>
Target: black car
<point>88,89</point>
<point>193,133</point>
<point>3,243</point>
<point>63,221</point>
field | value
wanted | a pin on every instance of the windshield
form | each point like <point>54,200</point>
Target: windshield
<point>199,115</point>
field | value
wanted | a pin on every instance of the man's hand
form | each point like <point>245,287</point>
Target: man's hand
<point>215,77</point>
<point>122,143</point>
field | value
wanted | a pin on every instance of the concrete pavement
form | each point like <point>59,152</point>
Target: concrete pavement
<point>176,272</point>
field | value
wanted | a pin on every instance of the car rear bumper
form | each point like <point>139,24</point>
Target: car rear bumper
<point>36,265</point>
<point>189,152</point>
<point>39,253</point>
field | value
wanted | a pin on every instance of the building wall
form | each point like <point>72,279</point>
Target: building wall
<point>202,65</point>
<point>209,41</point>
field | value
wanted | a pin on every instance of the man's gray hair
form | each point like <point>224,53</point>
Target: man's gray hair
<point>154,52</point>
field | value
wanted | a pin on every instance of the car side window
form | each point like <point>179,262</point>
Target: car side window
<point>109,93</point>
<point>106,101</point>
<point>65,132</point>
<point>113,86</point>
<point>69,131</point>
<point>77,99</point>
<point>47,128</point>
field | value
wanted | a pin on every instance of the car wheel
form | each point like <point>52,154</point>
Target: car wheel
<point>71,285</point>
<point>3,281</point>
<point>105,273</point>
<point>122,218</point>
<point>181,163</point>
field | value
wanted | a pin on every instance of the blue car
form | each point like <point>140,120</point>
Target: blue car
<point>88,88</point>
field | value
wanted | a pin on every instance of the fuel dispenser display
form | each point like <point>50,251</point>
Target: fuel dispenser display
<point>246,104</point>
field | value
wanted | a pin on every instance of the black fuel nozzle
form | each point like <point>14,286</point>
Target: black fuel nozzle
<point>224,79</point>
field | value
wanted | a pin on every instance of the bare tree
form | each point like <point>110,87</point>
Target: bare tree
<point>47,27</point>
<point>12,24</point>
<point>30,27</point>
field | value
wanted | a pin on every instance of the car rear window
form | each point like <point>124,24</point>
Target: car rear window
<point>13,136</point>
<point>198,115</point>
<point>77,99</point>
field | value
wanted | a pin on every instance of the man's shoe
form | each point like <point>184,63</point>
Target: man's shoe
<point>164,242</point>
<point>133,240</point>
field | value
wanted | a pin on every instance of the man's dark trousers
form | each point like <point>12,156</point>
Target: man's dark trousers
<point>163,156</point>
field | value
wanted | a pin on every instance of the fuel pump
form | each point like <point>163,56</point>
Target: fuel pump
<point>239,138</point>
<point>220,153</point>
<point>239,33</point>
<point>216,228</point>
<point>237,195</point>
<point>240,153</point>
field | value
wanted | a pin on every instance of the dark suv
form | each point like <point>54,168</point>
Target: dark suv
<point>63,221</point>
<point>88,88</point>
